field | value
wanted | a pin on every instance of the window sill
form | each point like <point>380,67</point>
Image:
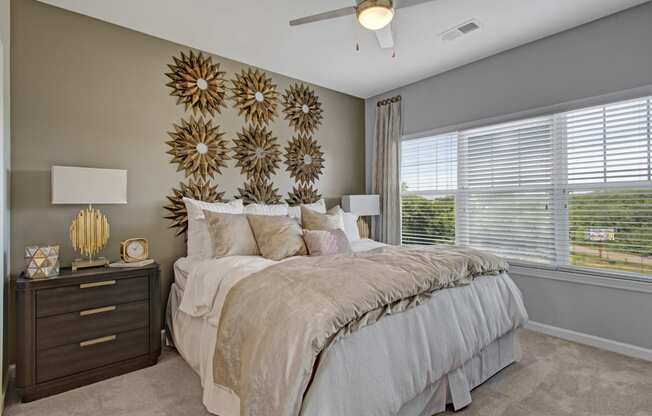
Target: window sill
<point>585,277</point>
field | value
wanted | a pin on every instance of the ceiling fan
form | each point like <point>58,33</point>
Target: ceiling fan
<point>374,15</point>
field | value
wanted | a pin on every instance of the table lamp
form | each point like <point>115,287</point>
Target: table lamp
<point>362,206</point>
<point>89,231</point>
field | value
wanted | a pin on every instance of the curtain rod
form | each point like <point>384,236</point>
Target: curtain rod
<point>391,100</point>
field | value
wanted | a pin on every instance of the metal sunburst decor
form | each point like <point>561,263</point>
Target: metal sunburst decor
<point>259,192</point>
<point>255,96</point>
<point>198,147</point>
<point>200,190</point>
<point>304,159</point>
<point>302,194</point>
<point>302,108</point>
<point>197,83</point>
<point>257,152</point>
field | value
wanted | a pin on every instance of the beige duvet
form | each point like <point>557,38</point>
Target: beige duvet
<point>275,323</point>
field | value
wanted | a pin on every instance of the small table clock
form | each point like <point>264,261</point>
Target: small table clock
<point>134,249</point>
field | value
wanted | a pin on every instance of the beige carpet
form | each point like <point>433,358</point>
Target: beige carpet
<point>554,378</point>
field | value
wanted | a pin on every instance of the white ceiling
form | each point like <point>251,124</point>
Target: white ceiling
<point>257,32</point>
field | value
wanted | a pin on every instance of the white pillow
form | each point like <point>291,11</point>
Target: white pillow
<point>351,226</point>
<point>263,209</point>
<point>319,206</point>
<point>199,240</point>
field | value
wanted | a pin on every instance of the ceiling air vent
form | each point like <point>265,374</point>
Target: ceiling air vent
<point>463,29</point>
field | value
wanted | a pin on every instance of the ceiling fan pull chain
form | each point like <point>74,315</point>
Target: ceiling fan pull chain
<point>357,46</point>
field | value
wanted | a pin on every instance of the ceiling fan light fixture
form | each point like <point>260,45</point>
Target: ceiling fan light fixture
<point>375,14</point>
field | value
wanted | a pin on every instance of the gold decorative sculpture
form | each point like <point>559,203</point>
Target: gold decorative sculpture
<point>198,148</point>
<point>304,159</point>
<point>89,233</point>
<point>259,192</point>
<point>197,83</point>
<point>257,152</point>
<point>302,194</point>
<point>255,96</point>
<point>302,108</point>
<point>200,190</point>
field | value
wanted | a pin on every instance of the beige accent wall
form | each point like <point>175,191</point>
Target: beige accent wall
<point>88,93</point>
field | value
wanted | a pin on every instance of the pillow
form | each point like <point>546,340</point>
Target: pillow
<point>263,209</point>
<point>199,241</point>
<point>319,206</point>
<point>351,226</point>
<point>326,243</point>
<point>231,235</point>
<point>332,220</point>
<point>277,237</point>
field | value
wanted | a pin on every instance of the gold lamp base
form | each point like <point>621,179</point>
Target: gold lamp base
<point>88,263</point>
<point>89,233</point>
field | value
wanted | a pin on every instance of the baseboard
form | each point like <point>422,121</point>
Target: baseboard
<point>591,340</point>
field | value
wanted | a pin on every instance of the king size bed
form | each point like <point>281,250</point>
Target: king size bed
<point>381,331</point>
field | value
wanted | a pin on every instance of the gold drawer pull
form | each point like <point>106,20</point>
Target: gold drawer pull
<point>97,310</point>
<point>96,284</point>
<point>96,341</point>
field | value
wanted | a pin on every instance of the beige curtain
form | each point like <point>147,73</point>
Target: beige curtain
<point>385,171</point>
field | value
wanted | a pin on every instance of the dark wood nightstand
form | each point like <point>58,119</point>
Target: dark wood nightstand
<point>85,326</point>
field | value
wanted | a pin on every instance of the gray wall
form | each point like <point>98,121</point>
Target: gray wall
<point>4,176</point>
<point>603,57</point>
<point>93,94</point>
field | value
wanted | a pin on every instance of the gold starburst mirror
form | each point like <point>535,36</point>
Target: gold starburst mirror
<point>197,83</point>
<point>302,194</point>
<point>255,96</point>
<point>259,192</point>
<point>257,152</point>
<point>302,108</point>
<point>304,159</point>
<point>200,190</point>
<point>198,148</point>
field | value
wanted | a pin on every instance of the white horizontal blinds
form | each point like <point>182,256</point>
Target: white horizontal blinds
<point>609,144</point>
<point>507,189</point>
<point>429,164</point>
<point>428,186</point>
<point>611,229</point>
<point>610,191</point>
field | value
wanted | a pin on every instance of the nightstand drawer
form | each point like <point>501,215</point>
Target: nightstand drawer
<point>91,353</point>
<point>75,327</point>
<point>93,294</point>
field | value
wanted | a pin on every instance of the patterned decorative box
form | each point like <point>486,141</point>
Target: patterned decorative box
<point>41,261</point>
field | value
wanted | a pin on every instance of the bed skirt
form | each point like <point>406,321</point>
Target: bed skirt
<point>453,388</point>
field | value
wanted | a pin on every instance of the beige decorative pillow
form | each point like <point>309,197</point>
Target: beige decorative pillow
<point>278,237</point>
<point>326,243</point>
<point>231,235</point>
<point>332,220</point>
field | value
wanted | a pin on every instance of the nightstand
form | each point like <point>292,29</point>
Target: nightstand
<point>81,327</point>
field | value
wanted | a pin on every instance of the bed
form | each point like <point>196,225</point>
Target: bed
<point>411,363</point>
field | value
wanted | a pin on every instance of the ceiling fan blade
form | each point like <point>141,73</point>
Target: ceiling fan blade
<point>385,37</point>
<point>345,11</point>
<point>400,4</point>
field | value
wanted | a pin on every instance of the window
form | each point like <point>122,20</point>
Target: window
<point>571,189</point>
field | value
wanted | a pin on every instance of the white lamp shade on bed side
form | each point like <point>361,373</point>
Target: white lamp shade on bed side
<point>361,205</point>
<point>75,185</point>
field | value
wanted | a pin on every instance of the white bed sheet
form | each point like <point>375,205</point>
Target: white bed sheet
<point>449,330</point>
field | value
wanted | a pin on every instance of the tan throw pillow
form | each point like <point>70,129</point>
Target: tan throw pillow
<point>326,243</point>
<point>231,235</point>
<point>278,237</point>
<point>332,220</point>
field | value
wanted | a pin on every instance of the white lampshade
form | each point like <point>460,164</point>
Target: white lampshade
<point>361,205</point>
<point>74,185</point>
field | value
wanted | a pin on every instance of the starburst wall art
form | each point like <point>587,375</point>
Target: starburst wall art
<point>302,194</point>
<point>302,108</point>
<point>200,190</point>
<point>259,192</point>
<point>304,159</point>
<point>255,96</point>
<point>197,83</point>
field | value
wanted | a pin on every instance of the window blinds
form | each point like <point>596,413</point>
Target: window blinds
<point>568,189</point>
<point>428,184</point>
<point>506,190</point>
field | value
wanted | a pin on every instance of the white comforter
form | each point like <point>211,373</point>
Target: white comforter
<point>377,369</point>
